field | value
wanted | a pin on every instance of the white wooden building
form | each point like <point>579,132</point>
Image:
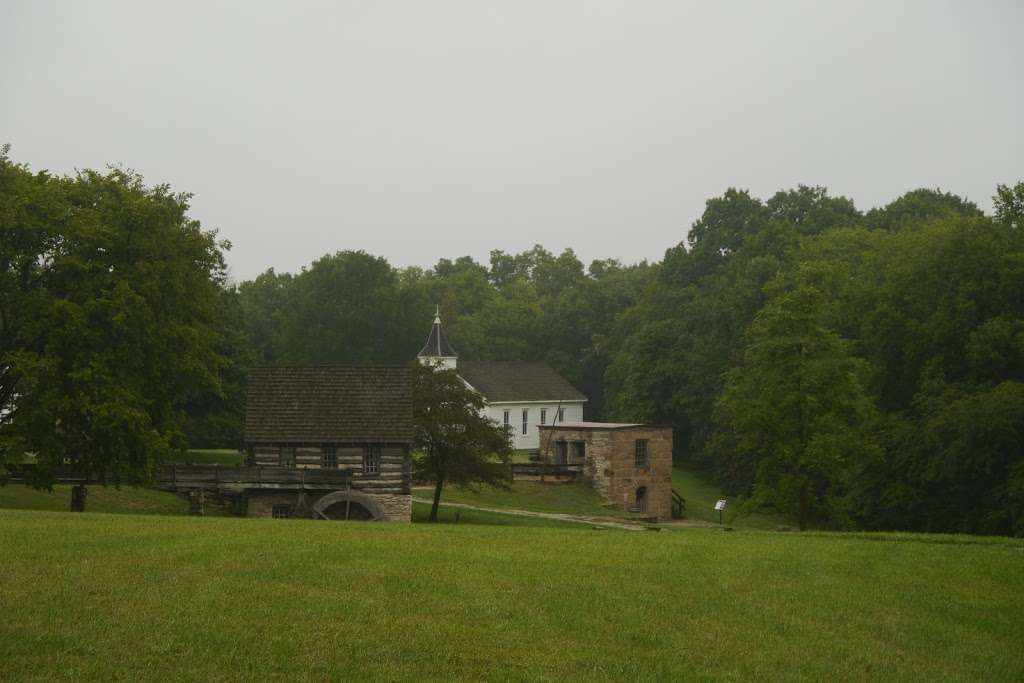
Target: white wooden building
<point>520,394</point>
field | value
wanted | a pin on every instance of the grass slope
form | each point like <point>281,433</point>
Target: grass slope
<point>570,498</point>
<point>212,456</point>
<point>100,499</point>
<point>701,496</point>
<point>102,597</point>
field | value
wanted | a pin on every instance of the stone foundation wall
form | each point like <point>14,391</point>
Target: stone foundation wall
<point>397,506</point>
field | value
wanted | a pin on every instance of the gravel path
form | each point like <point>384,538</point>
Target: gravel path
<point>604,522</point>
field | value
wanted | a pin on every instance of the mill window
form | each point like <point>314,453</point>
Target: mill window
<point>371,460</point>
<point>329,461</point>
<point>286,457</point>
<point>640,459</point>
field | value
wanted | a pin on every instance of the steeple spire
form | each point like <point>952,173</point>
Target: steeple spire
<point>437,349</point>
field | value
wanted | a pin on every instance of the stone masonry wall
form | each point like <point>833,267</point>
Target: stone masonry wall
<point>611,469</point>
<point>397,506</point>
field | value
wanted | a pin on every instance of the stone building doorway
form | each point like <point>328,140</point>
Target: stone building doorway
<point>641,500</point>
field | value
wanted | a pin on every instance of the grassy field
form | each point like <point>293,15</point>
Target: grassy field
<point>104,597</point>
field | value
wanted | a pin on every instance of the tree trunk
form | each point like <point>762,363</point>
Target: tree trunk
<point>437,499</point>
<point>78,493</point>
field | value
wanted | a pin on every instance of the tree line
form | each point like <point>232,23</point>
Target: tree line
<point>856,369</point>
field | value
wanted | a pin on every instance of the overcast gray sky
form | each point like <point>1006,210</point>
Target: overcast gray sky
<point>420,130</point>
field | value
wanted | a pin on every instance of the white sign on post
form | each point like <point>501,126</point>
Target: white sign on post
<point>720,505</point>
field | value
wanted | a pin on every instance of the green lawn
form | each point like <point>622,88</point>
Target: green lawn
<point>94,597</point>
<point>574,498</point>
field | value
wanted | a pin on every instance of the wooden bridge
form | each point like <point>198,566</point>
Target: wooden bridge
<point>233,480</point>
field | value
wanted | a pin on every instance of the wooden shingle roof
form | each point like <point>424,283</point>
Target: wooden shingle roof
<point>329,404</point>
<point>511,381</point>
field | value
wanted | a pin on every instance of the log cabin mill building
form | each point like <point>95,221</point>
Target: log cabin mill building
<point>629,465</point>
<point>520,394</point>
<point>354,418</point>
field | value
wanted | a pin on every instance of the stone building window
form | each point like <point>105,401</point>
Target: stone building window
<point>286,457</point>
<point>561,450</point>
<point>371,460</point>
<point>579,451</point>
<point>526,414</point>
<point>329,461</point>
<point>640,458</point>
<point>281,511</point>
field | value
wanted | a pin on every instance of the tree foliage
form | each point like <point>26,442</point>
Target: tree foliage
<point>458,443</point>
<point>111,321</point>
<point>855,368</point>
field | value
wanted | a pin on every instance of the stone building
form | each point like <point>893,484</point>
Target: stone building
<point>347,418</point>
<point>520,394</point>
<point>629,465</point>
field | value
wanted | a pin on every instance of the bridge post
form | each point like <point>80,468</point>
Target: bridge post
<point>78,494</point>
<point>197,501</point>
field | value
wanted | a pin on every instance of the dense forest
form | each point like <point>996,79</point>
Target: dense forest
<point>857,369</point>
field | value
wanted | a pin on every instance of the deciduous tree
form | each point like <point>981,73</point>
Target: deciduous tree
<point>459,444</point>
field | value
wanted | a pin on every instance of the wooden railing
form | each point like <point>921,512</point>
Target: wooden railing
<point>678,505</point>
<point>540,470</point>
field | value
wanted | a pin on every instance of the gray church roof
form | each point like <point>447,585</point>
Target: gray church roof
<point>510,381</point>
<point>329,404</point>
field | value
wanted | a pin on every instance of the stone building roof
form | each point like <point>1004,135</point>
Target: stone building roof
<point>437,345</point>
<point>329,404</point>
<point>511,381</point>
